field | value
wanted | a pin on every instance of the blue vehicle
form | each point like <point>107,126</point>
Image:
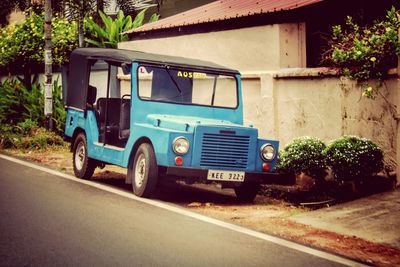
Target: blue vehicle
<point>175,117</point>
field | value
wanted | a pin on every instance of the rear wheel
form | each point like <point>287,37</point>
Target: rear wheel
<point>83,165</point>
<point>247,192</point>
<point>144,171</point>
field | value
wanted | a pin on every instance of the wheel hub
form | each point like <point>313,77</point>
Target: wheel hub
<point>140,170</point>
<point>80,156</point>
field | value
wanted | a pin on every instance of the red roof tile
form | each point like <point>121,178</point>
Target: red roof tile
<point>223,10</point>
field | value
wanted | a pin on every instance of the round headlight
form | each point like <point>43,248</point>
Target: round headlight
<point>180,145</point>
<point>268,152</point>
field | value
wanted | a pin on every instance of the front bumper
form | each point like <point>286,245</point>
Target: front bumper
<point>254,177</point>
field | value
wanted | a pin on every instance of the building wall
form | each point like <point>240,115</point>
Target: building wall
<point>260,48</point>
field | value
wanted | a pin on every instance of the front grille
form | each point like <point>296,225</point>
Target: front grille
<point>225,151</point>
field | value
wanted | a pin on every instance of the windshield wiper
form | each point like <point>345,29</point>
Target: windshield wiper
<point>173,80</point>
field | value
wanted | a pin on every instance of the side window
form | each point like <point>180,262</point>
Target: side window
<point>99,73</point>
<point>98,77</point>
<point>145,77</point>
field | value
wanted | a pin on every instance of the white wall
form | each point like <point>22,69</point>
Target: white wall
<point>324,107</point>
<point>259,48</point>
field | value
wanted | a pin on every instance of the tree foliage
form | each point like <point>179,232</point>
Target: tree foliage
<point>112,31</point>
<point>22,45</point>
<point>131,7</point>
<point>364,53</point>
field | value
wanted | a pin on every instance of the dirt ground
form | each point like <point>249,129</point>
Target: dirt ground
<point>266,214</point>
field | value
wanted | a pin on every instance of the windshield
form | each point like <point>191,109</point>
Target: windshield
<point>174,85</point>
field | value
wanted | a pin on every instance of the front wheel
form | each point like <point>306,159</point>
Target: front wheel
<point>83,165</point>
<point>145,171</point>
<point>247,192</point>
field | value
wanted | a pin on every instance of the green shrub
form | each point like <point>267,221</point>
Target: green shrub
<point>9,101</point>
<point>27,135</point>
<point>59,113</point>
<point>303,155</point>
<point>40,139</point>
<point>21,45</point>
<point>111,32</point>
<point>31,103</point>
<point>364,53</point>
<point>18,104</point>
<point>27,126</point>
<point>353,158</point>
<point>8,136</point>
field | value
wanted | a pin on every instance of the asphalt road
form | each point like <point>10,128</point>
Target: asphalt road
<point>46,220</point>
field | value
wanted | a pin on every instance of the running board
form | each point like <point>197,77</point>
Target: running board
<point>109,146</point>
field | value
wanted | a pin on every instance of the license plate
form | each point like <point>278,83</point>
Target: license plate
<point>220,175</point>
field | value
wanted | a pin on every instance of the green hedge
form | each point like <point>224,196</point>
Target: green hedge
<point>353,158</point>
<point>303,155</point>
<point>350,158</point>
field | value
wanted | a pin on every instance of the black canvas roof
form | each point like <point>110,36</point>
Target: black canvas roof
<point>129,56</point>
<point>78,71</point>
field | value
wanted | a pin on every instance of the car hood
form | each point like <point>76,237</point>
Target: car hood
<point>186,123</point>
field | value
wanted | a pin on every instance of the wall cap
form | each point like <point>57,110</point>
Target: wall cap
<point>300,73</point>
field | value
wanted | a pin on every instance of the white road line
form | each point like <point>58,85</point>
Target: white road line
<point>185,212</point>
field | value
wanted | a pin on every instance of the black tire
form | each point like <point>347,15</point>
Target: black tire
<point>83,165</point>
<point>144,171</point>
<point>247,192</point>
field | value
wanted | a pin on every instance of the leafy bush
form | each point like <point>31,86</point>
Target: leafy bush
<point>27,126</point>
<point>22,47</point>
<point>59,113</point>
<point>27,135</point>
<point>353,158</point>
<point>113,30</point>
<point>40,138</point>
<point>9,101</point>
<point>31,103</point>
<point>303,155</point>
<point>365,53</point>
<point>18,104</point>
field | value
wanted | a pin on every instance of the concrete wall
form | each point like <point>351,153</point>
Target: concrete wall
<point>249,49</point>
<point>289,105</point>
